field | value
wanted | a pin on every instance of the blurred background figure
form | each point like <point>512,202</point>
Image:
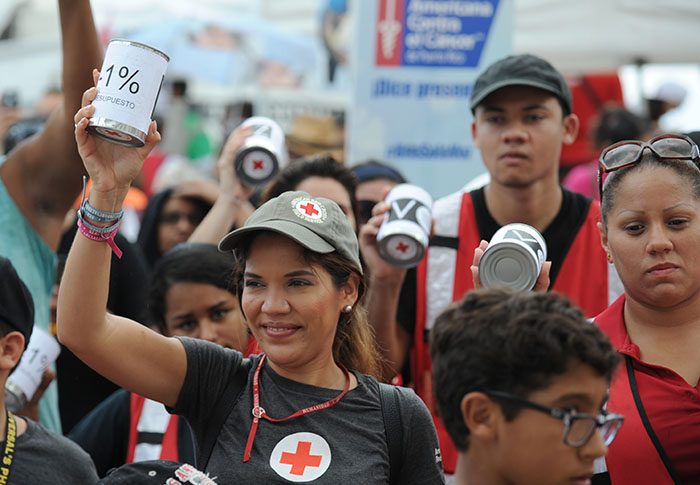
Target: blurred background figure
<point>668,97</point>
<point>374,179</point>
<point>614,124</point>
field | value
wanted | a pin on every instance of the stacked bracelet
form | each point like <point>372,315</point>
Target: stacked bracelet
<point>100,234</point>
<point>96,233</point>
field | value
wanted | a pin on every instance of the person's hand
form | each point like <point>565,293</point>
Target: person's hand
<point>377,267</point>
<point>542,283</point>
<point>229,183</point>
<point>31,410</point>
<point>111,167</point>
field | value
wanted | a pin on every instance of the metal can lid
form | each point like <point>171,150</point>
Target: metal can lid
<point>508,265</point>
<point>142,46</point>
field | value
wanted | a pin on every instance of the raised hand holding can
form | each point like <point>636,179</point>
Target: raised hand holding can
<point>403,236</point>
<point>263,154</point>
<point>131,77</point>
<point>513,258</point>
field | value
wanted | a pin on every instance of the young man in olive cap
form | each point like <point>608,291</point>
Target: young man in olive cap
<point>522,118</point>
<point>30,453</point>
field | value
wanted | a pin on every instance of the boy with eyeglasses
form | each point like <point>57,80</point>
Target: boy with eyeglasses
<point>523,380</point>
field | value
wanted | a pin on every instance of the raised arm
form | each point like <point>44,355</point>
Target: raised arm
<point>120,349</point>
<point>43,175</point>
<point>393,341</point>
<point>231,206</point>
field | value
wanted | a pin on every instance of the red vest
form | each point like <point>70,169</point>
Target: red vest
<point>643,465</point>
<point>583,277</point>
<point>169,443</point>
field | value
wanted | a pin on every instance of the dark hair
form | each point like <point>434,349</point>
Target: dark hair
<point>686,169</point>
<point>615,124</point>
<point>187,263</point>
<point>375,170</point>
<point>150,222</point>
<point>354,344</point>
<point>510,342</point>
<point>315,166</point>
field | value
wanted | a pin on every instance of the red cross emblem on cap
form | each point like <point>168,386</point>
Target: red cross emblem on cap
<point>309,209</point>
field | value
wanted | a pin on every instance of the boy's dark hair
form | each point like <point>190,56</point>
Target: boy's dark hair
<point>314,166</point>
<point>187,263</point>
<point>511,342</point>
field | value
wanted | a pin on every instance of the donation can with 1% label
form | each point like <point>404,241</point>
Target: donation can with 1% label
<point>130,81</point>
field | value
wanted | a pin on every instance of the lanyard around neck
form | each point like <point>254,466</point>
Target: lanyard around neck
<point>259,412</point>
<point>10,436</point>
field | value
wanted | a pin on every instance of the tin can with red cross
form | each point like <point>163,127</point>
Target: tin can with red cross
<point>513,258</point>
<point>263,153</point>
<point>403,236</point>
<point>130,81</point>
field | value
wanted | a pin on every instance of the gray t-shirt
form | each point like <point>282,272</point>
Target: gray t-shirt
<point>44,457</point>
<point>334,445</point>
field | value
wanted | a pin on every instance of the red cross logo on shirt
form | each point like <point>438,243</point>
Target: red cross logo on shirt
<point>401,247</point>
<point>309,209</point>
<point>301,459</point>
<point>257,164</point>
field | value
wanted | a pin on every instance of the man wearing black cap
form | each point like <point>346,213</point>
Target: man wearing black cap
<point>522,118</point>
<point>30,453</point>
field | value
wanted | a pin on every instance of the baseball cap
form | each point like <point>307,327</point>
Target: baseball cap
<point>318,224</point>
<point>16,303</point>
<point>521,70</point>
<point>156,472</point>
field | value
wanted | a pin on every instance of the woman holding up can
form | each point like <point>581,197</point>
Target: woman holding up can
<point>307,410</point>
<point>651,232</point>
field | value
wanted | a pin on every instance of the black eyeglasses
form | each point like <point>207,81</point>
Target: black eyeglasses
<point>578,427</point>
<point>628,153</point>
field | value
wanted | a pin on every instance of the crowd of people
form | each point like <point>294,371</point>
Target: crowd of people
<point>237,334</point>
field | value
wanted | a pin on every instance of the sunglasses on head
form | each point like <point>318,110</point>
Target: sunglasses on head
<point>629,153</point>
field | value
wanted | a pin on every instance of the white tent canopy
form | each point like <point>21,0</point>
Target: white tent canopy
<point>598,35</point>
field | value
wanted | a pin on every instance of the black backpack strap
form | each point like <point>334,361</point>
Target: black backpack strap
<point>647,424</point>
<point>224,406</point>
<point>391,414</point>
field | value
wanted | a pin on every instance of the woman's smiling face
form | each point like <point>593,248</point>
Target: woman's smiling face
<point>292,306</point>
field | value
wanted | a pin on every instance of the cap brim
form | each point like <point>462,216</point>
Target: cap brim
<point>292,230</point>
<point>511,82</point>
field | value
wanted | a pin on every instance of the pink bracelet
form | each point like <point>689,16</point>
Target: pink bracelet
<point>107,237</point>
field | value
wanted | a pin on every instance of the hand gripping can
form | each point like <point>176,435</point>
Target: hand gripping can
<point>263,153</point>
<point>403,236</point>
<point>42,351</point>
<point>513,258</point>
<point>130,81</point>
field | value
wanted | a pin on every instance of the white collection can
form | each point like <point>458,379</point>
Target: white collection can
<point>130,81</point>
<point>263,153</point>
<point>42,351</point>
<point>403,236</point>
<point>513,258</point>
